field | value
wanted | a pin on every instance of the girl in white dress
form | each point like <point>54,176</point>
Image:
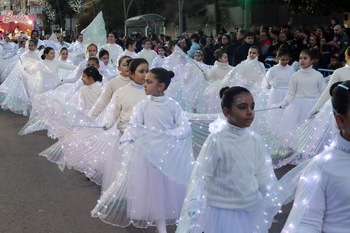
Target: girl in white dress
<point>147,52</point>
<point>305,88</point>
<point>112,86</point>
<point>217,73</point>
<point>278,77</point>
<point>160,58</point>
<point>151,188</point>
<point>110,73</point>
<point>16,91</point>
<point>92,88</point>
<point>113,48</point>
<point>232,173</point>
<point>322,201</point>
<point>130,47</point>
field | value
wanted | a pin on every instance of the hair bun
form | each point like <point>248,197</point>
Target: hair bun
<point>331,89</point>
<point>42,57</point>
<point>171,74</point>
<point>222,91</point>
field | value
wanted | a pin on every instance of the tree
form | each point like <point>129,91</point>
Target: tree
<point>317,7</point>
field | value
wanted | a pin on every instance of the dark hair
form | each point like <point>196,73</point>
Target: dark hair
<point>283,51</point>
<point>308,52</point>
<point>31,34</point>
<point>63,48</point>
<point>227,95</point>
<point>129,42</point>
<point>122,58</point>
<point>249,34</point>
<point>94,59</point>
<point>195,37</point>
<point>134,63</point>
<point>254,47</point>
<point>218,53</point>
<point>115,34</point>
<point>46,51</point>
<point>102,53</point>
<point>340,92</point>
<point>35,41</point>
<point>94,73</point>
<point>162,75</point>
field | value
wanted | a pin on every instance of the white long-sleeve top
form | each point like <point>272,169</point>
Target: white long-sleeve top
<point>127,53</point>
<point>106,96</point>
<point>339,75</point>
<point>218,72</point>
<point>89,95</point>
<point>123,102</point>
<point>147,54</point>
<point>158,62</point>
<point>163,113</point>
<point>114,51</point>
<point>306,83</point>
<point>235,168</point>
<point>28,55</point>
<point>279,76</point>
<point>329,208</point>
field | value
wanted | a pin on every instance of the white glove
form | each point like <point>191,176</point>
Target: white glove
<point>108,126</point>
<point>312,114</point>
<point>284,104</point>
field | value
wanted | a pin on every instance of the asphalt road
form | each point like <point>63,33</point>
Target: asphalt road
<point>36,197</point>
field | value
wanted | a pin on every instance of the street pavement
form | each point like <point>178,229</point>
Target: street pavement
<point>36,197</point>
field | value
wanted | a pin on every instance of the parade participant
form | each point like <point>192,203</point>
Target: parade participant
<point>112,86</point>
<point>153,191</point>
<point>159,60</point>
<point>278,77</point>
<point>130,47</point>
<point>91,90</point>
<point>110,71</point>
<point>8,57</point>
<point>16,91</point>
<point>113,48</point>
<point>78,50</point>
<point>305,88</point>
<point>322,199</point>
<point>147,52</point>
<point>231,174</point>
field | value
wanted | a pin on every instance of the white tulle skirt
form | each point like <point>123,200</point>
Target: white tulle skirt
<point>276,96</point>
<point>6,66</point>
<point>151,195</point>
<point>295,113</point>
<point>228,221</point>
<point>15,94</point>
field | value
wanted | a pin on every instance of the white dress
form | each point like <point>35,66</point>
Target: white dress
<point>16,91</point>
<point>8,60</point>
<point>114,51</point>
<point>78,52</point>
<point>232,173</point>
<point>147,54</point>
<point>322,201</point>
<point>213,76</point>
<point>127,53</point>
<point>151,186</point>
<point>88,96</point>
<point>305,88</point>
<point>158,62</point>
<point>278,77</point>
